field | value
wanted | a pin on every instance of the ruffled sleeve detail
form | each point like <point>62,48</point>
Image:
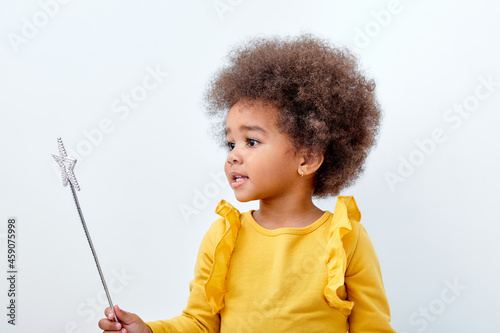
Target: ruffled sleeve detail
<point>226,234</point>
<point>346,210</point>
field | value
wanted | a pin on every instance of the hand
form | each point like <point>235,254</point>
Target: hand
<point>129,322</point>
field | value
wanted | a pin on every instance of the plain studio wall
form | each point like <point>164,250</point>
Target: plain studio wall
<point>122,83</point>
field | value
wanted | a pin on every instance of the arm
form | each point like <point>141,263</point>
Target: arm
<point>363,280</point>
<point>197,316</point>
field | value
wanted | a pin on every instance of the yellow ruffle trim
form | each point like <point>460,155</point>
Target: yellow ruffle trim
<point>215,285</point>
<point>346,210</point>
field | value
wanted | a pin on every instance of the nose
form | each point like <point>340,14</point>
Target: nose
<point>234,156</point>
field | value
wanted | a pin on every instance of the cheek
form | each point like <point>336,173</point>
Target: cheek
<point>275,166</point>
<point>226,169</point>
<point>286,166</point>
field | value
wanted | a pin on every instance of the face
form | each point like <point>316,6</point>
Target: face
<point>261,163</point>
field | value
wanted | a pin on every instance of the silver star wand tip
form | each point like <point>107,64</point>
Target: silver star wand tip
<point>68,176</point>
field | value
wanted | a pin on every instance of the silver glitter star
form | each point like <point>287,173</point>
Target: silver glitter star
<point>67,165</point>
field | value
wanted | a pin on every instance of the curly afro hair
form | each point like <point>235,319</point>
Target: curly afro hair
<point>325,102</point>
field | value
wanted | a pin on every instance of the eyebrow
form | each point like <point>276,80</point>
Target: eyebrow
<point>248,128</point>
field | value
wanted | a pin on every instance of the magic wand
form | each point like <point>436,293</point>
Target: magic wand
<point>68,176</point>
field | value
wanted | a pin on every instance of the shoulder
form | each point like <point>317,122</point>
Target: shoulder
<point>355,240</point>
<point>351,239</point>
<point>224,229</point>
<point>215,230</point>
<point>216,251</point>
<point>360,252</point>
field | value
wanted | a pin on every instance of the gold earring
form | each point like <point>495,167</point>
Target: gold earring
<point>302,174</point>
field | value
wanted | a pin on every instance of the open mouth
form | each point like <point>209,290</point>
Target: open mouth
<point>238,180</point>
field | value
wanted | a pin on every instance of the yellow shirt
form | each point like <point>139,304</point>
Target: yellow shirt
<point>321,278</point>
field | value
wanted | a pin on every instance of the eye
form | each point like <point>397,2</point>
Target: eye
<point>252,142</point>
<point>230,145</point>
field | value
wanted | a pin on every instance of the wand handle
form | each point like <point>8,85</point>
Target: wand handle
<point>92,248</point>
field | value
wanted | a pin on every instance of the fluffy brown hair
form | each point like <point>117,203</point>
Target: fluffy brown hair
<point>324,100</point>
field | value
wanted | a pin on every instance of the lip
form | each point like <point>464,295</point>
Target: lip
<point>236,184</point>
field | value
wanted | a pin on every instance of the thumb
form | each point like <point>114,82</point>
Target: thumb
<point>123,316</point>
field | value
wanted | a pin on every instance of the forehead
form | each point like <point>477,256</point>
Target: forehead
<point>251,113</point>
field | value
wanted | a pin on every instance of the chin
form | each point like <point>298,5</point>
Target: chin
<point>244,198</point>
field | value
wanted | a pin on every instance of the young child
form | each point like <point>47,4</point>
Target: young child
<point>299,119</point>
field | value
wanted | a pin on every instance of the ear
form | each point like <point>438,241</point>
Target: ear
<point>310,160</point>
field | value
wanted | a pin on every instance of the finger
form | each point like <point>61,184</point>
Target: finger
<point>109,325</point>
<point>124,316</point>
<point>111,315</point>
<point>107,312</point>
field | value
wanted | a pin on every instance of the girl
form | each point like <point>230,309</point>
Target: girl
<point>299,119</point>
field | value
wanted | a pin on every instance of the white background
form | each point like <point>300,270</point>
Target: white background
<point>66,66</point>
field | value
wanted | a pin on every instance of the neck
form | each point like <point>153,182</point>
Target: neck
<point>289,211</point>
